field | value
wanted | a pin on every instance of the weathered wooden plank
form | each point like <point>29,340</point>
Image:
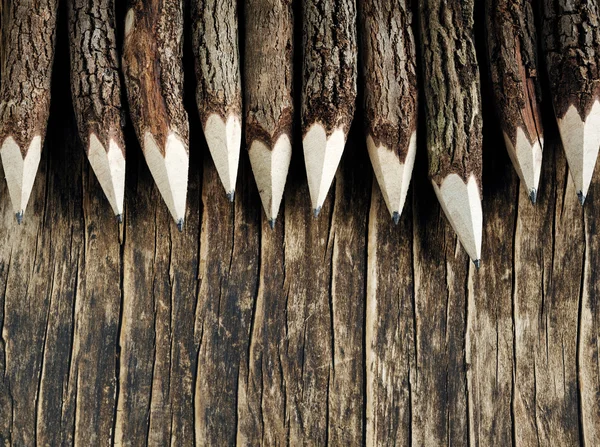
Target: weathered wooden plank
<point>441,272</point>
<point>588,349</point>
<point>389,327</point>
<point>272,402</point>
<point>158,352</point>
<point>548,261</point>
<point>262,406</point>
<point>489,342</point>
<point>229,266</point>
<point>348,240</point>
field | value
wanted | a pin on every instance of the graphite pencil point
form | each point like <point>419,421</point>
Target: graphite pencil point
<point>316,212</point>
<point>533,196</point>
<point>396,217</point>
<point>119,218</point>
<point>19,217</point>
<point>272,223</point>
<point>180,225</point>
<point>231,196</point>
<point>477,263</point>
<point>581,198</point>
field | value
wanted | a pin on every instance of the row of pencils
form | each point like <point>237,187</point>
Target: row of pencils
<point>333,34</point>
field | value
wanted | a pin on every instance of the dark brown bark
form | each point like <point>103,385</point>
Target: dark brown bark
<point>268,74</point>
<point>512,56</point>
<point>452,91</point>
<point>216,56</point>
<point>153,68</point>
<point>95,82</point>
<point>28,40</point>
<point>571,40</point>
<point>389,70</point>
<point>329,67</point>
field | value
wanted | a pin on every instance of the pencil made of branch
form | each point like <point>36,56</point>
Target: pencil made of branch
<point>328,89</point>
<point>96,90</point>
<point>268,92</point>
<point>571,41</point>
<point>390,96</point>
<point>453,115</point>
<point>28,43</point>
<point>512,56</point>
<point>219,92</point>
<point>153,69</point>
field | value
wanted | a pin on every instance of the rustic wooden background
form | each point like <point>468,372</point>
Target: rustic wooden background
<point>344,329</point>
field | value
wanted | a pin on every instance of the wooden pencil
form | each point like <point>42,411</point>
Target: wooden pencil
<point>96,90</point>
<point>28,43</point>
<point>571,42</point>
<point>512,56</point>
<point>152,65</point>
<point>328,89</point>
<point>453,115</point>
<point>218,92</point>
<point>268,97</point>
<point>390,96</point>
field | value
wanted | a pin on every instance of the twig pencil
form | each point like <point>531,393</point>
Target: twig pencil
<point>96,89</point>
<point>28,41</point>
<point>571,40</point>
<point>328,89</point>
<point>218,93</point>
<point>268,92</point>
<point>152,65</point>
<point>511,44</point>
<point>453,114</point>
<point>390,96</point>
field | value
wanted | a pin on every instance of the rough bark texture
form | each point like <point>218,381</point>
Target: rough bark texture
<point>344,329</point>
<point>329,66</point>
<point>28,40</point>
<point>512,56</point>
<point>390,73</point>
<point>452,91</point>
<point>571,39</point>
<point>216,56</point>
<point>269,74</point>
<point>95,81</point>
<point>153,68</point>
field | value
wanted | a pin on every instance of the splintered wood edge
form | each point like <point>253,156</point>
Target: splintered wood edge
<point>526,159</point>
<point>270,167</point>
<point>224,140</point>
<point>322,155</point>
<point>393,176</point>
<point>20,171</point>
<point>581,140</point>
<point>461,203</point>
<point>169,172</point>
<point>109,167</point>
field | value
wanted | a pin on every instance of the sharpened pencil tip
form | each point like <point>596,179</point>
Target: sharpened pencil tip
<point>19,217</point>
<point>581,197</point>
<point>231,196</point>
<point>316,212</point>
<point>272,223</point>
<point>180,225</point>
<point>533,196</point>
<point>119,218</point>
<point>396,217</point>
<point>477,263</point>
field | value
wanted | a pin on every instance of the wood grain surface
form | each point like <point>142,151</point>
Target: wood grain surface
<point>344,329</point>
